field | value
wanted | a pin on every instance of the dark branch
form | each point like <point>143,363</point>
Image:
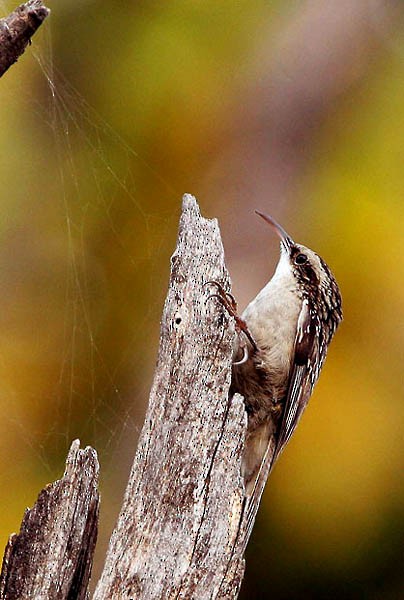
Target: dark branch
<point>17,29</point>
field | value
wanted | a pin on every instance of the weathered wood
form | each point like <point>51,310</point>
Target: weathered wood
<point>177,533</point>
<point>17,29</point>
<point>52,555</point>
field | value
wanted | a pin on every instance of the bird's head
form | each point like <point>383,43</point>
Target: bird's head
<point>313,276</point>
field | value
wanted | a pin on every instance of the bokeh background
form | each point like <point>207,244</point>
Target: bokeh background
<point>294,108</point>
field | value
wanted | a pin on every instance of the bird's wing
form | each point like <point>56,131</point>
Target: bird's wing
<point>301,381</point>
<point>303,374</point>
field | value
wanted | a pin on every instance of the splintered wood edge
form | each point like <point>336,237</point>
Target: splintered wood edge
<point>206,559</point>
<point>52,555</point>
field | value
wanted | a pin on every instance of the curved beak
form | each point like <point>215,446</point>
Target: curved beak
<point>286,240</point>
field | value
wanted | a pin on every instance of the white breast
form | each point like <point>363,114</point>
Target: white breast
<point>272,317</point>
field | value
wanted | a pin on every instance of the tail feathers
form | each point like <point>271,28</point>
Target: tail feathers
<point>259,457</point>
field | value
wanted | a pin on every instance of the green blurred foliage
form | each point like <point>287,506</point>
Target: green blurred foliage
<point>111,115</point>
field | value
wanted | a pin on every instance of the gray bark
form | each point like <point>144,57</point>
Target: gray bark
<point>180,531</point>
<point>17,29</point>
<point>52,555</point>
<point>177,535</point>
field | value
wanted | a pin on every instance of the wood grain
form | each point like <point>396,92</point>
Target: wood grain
<point>177,533</point>
<point>51,557</point>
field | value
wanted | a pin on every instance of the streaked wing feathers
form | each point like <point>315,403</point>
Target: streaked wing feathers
<point>298,394</point>
<point>300,379</point>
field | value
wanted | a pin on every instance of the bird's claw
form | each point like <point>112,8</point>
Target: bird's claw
<point>226,298</point>
<point>246,356</point>
<point>229,303</point>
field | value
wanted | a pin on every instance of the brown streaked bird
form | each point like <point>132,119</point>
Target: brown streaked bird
<point>288,328</point>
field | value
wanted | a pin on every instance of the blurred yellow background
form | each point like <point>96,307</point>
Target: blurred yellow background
<point>294,108</point>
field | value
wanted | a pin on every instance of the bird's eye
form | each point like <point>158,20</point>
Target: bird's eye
<point>300,259</point>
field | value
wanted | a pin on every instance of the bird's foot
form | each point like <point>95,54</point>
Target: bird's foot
<point>228,302</point>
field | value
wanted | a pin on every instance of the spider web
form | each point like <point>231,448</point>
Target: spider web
<point>103,250</point>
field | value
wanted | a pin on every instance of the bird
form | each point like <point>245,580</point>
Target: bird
<point>284,335</point>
